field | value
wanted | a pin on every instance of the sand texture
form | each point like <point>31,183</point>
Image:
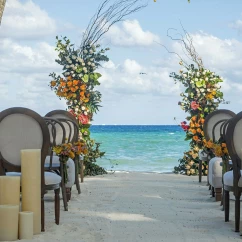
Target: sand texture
<point>123,207</point>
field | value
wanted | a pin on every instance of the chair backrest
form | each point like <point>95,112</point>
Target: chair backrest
<point>22,128</point>
<point>215,119</point>
<point>56,130</point>
<point>234,145</point>
<point>69,122</point>
<point>222,124</point>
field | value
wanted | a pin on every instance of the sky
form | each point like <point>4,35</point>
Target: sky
<point>27,55</point>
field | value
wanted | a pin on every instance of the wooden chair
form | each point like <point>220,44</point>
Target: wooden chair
<point>212,127</point>
<point>52,163</point>
<point>22,128</point>
<point>232,179</point>
<point>72,133</point>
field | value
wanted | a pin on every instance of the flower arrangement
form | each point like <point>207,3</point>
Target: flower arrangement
<point>77,85</point>
<point>65,151</point>
<point>218,149</point>
<point>202,95</point>
<point>68,150</point>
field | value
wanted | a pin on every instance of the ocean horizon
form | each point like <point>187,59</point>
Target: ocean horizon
<point>140,148</point>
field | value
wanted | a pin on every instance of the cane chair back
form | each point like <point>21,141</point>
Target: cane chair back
<point>214,121</point>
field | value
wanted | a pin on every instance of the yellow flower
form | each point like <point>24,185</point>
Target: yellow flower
<point>72,155</point>
<point>53,83</point>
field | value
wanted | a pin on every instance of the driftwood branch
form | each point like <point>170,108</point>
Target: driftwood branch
<point>107,15</point>
<point>188,48</point>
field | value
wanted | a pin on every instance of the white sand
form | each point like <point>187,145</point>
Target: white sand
<point>128,207</point>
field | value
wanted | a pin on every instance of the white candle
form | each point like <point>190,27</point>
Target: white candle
<point>26,222</point>
<point>9,190</point>
<point>9,222</point>
<point>31,185</point>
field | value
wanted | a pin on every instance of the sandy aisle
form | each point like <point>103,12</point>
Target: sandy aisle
<point>140,207</point>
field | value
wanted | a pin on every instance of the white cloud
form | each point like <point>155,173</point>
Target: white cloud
<point>15,57</point>
<point>126,78</point>
<point>26,21</point>
<point>130,33</point>
<point>223,56</point>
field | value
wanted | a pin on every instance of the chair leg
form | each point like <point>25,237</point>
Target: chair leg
<point>68,194</point>
<point>213,192</point>
<point>77,177</point>
<point>237,213</point>
<point>57,206</point>
<point>218,194</point>
<point>63,189</point>
<point>200,171</point>
<point>226,205</point>
<point>82,171</point>
<point>42,214</point>
<point>209,188</point>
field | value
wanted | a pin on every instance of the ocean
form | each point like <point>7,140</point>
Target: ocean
<point>146,148</point>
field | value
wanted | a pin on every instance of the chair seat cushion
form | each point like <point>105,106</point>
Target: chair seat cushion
<point>50,177</point>
<point>215,172</point>
<point>55,161</point>
<point>229,179</point>
<point>70,168</point>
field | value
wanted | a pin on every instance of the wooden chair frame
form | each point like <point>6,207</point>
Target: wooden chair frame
<point>72,119</point>
<point>236,162</point>
<point>6,166</point>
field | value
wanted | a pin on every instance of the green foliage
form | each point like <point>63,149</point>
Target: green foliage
<point>92,169</point>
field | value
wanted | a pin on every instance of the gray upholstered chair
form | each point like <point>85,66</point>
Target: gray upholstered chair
<point>72,131</point>
<point>22,128</point>
<point>232,179</point>
<point>212,130</point>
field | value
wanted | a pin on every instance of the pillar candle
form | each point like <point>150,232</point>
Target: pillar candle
<point>31,185</point>
<point>9,222</point>
<point>9,190</point>
<point>26,222</point>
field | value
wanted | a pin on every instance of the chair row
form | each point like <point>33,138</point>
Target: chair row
<point>225,176</point>
<point>22,128</point>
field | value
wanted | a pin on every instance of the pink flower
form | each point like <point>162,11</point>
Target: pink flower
<point>194,105</point>
<point>83,119</point>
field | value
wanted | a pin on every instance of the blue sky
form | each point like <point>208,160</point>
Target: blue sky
<point>27,39</point>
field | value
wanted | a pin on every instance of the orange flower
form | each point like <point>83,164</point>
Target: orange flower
<point>69,83</point>
<point>83,87</point>
<point>63,84</point>
<point>202,121</point>
<point>53,83</point>
<point>73,89</point>
<point>85,100</point>
<point>223,145</point>
<point>69,78</point>
<point>202,133</point>
<point>75,82</point>
<point>194,131</point>
<point>197,125</point>
<point>82,94</point>
<point>199,130</point>
<point>194,118</point>
<point>209,144</point>
<point>65,89</point>
<point>195,137</point>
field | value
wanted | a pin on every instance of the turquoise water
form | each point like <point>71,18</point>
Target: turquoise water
<point>151,148</point>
